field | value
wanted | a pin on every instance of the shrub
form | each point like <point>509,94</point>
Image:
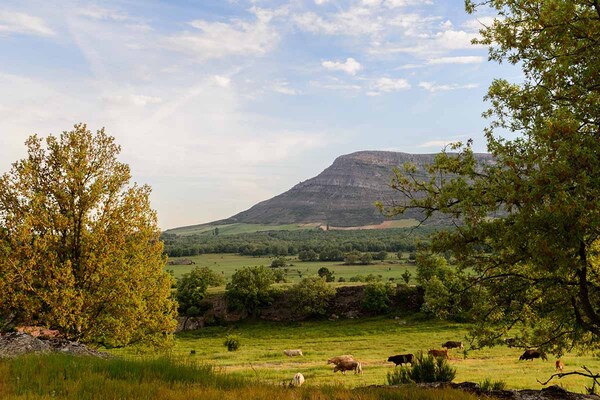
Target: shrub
<point>406,276</point>
<point>279,262</point>
<point>311,296</point>
<point>487,385</point>
<point>250,289</point>
<point>324,272</point>
<point>191,289</point>
<point>308,255</point>
<point>423,370</point>
<point>380,255</point>
<point>341,279</point>
<point>232,342</point>
<point>378,297</point>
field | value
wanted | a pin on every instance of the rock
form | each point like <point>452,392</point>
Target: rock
<point>15,344</point>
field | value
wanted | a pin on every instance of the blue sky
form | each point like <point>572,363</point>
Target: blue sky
<point>220,104</point>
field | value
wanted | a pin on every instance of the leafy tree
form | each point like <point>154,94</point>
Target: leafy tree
<point>79,246</point>
<point>366,258</point>
<point>312,296</point>
<point>406,276</point>
<point>279,262</point>
<point>308,255</point>
<point>191,288</point>
<point>324,272</point>
<point>378,297</point>
<point>530,217</point>
<point>380,255</point>
<point>250,288</point>
<point>352,258</point>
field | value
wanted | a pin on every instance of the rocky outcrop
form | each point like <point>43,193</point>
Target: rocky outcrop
<point>15,344</point>
<point>342,195</point>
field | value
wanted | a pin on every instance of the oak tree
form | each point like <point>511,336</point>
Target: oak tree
<point>528,222</point>
<point>79,245</point>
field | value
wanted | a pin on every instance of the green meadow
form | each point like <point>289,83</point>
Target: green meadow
<point>369,340</point>
<point>227,264</point>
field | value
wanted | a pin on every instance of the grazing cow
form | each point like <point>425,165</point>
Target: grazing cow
<point>339,359</point>
<point>438,353</point>
<point>297,380</point>
<point>293,353</point>
<point>400,359</point>
<point>453,345</point>
<point>348,365</point>
<point>559,365</point>
<point>530,354</point>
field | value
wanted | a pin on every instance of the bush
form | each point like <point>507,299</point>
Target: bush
<point>324,272</point>
<point>311,296</point>
<point>381,255</point>
<point>341,279</point>
<point>378,297</point>
<point>250,289</point>
<point>487,385</point>
<point>232,342</point>
<point>423,370</point>
<point>406,276</point>
<point>279,262</point>
<point>191,289</point>
<point>308,255</point>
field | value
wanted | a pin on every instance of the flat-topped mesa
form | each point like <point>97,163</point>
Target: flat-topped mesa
<point>343,195</point>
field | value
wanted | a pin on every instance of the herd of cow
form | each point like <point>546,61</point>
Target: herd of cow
<point>348,363</point>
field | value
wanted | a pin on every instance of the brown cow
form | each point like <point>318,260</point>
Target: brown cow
<point>348,365</point>
<point>339,359</point>
<point>559,365</point>
<point>438,353</point>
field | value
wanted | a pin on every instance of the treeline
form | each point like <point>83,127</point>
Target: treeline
<point>311,244</point>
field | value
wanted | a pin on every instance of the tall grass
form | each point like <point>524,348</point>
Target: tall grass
<point>59,376</point>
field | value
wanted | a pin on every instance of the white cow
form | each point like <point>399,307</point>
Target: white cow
<point>298,380</point>
<point>293,353</point>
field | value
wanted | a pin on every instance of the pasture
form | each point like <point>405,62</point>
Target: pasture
<point>227,264</point>
<point>369,340</point>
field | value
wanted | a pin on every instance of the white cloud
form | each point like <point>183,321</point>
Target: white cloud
<point>320,2</point>
<point>436,143</point>
<point>387,85</point>
<point>456,60</point>
<point>480,23</point>
<point>355,21</point>
<point>350,66</point>
<point>21,23</point>
<point>220,39</point>
<point>405,3</point>
<point>432,87</point>
<point>101,13</point>
<point>222,81</point>
<point>283,88</point>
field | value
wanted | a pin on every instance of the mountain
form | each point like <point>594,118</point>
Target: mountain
<point>343,195</point>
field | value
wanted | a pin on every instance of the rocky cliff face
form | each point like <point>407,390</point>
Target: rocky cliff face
<point>342,195</point>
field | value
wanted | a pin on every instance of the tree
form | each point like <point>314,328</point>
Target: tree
<point>324,272</point>
<point>192,286</point>
<point>378,297</point>
<point>279,262</point>
<point>79,246</point>
<point>308,255</point>
<point>250,289</point>
<point>528,221</point>
<point>312,296</point>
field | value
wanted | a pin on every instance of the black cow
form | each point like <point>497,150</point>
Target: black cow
<point>450,344</point>
<point>531,354</point>
<point>401,359</point>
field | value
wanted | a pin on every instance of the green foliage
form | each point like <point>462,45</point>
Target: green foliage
<point>232,342</point>
<point>79,244</point>
<point>366,258</point>
<point>406,275</point>
<point>380,255</point>
<point>324,272</point>
<point>191,289</point>
<point>250,289</point>
<point>352,258</point>
<point>311,296</point>
<point>529,219</point>
<point>487,385</point>
<point>378,296</point>
<point>423,370</point>
<point>308,255</point>
<point>279,262</point>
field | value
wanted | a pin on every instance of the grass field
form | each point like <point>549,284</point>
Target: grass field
<point>233,229</point>
<point>371,341</point>
<point>227,264</point>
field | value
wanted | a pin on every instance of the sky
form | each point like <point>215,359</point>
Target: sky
<point>220,104</point>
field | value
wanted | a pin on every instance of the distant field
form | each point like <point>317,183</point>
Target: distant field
<point>233,229</point>
<point>371,341</point>
<point>227,264</point>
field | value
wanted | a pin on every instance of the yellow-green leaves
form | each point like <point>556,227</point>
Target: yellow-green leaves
<point>80,248</point>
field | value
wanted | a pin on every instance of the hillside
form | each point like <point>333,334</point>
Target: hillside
<point>343,195</point>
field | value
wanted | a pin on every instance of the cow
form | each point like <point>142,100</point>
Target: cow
<point>293,353</point>
<point>348,365</point>
<point>297,380</point>
<point>530,354</point>
<point>339,359</point>
<point>400,359</point>
<point>453,345</point>
<point>559,365</point>
<point>438,353</point>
